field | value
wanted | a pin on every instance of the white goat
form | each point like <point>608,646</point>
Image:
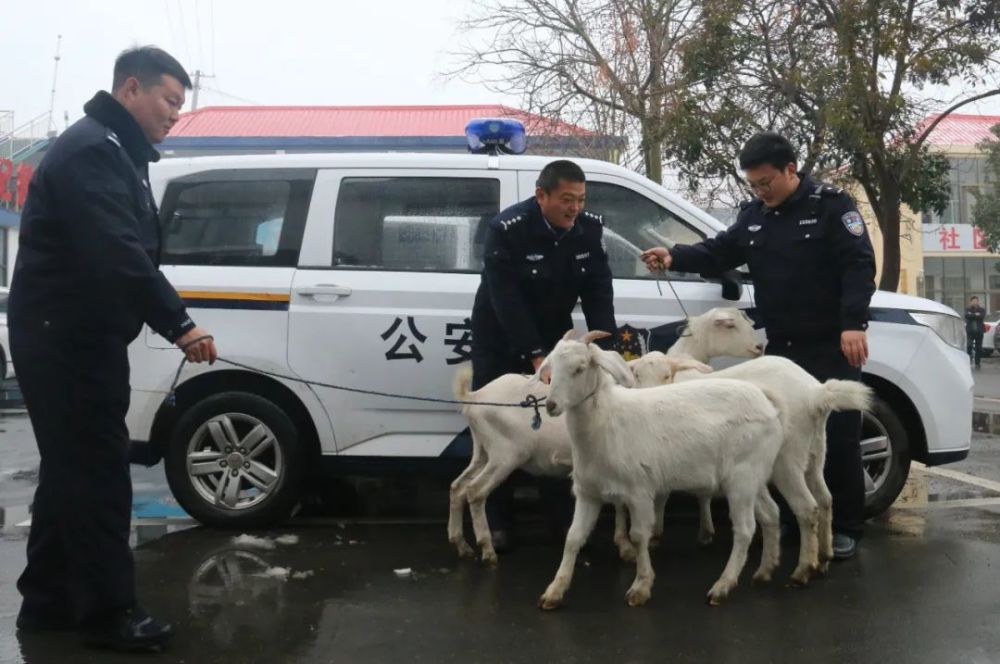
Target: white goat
<point>503,440</point>
<point>807,404</point>
<point>722,331</point>
<point>718,436</point>
<point>719,332</point>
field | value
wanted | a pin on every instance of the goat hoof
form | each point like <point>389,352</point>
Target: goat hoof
<point>637,596</point>
<point>490,559</point>
<point>800,578</point>
<point>717,594</point>
<point>823,568</point>
<point>465,551</point>
<point>762,577</point>
<point>547,603</point>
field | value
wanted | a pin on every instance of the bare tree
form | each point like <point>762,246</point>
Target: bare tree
<point>611,64</point>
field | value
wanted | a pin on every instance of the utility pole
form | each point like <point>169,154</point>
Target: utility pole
<point>198,74</point>
<point>55,74</point>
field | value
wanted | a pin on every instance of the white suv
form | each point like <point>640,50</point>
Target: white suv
<point>360,270</point>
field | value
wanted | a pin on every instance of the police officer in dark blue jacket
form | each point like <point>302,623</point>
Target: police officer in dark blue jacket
<point>542,256</point>
<point>85,281</point>
<point>813,270</point>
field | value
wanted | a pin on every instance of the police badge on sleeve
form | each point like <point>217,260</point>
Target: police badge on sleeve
<point>632,343</point>
<point>854,223</point>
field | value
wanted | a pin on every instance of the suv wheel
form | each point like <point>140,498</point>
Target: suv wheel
<point>235,461</point>
<point>885,455</point>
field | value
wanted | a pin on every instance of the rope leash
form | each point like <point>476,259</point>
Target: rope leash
<point>531,401</point>
<point>686,331</point>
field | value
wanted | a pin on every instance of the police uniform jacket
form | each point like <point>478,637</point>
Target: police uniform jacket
<point>90,238</point>
<point>533,276</point>
<point>810,258</point>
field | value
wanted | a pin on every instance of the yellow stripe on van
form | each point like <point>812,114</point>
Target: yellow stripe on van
<point>230,295</point>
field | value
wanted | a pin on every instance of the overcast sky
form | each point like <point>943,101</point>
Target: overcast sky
<point>285,52</point>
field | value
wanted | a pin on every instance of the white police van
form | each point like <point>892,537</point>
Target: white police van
<point>360,270</point>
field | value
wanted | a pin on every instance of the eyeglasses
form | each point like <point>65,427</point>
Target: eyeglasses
<point>761,186</point>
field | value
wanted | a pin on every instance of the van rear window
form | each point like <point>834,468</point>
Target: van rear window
<point>240,218</point>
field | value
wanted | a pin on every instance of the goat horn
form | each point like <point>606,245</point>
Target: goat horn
<point>569,335</point>
<point>594,335</point>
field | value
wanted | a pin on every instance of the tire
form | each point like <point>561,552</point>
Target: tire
<point>885,452</point>
<point>269,476</point>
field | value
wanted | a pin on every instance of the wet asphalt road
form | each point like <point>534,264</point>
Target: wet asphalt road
<point>923,588</point>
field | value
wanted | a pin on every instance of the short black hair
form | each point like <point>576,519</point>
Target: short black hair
<point>975,297</point>
<point>562,169</point>
<point>767,148</point>
<point>147,64</point>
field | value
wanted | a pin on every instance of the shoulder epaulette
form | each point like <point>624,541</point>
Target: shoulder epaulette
<point>510,221</point>
<point>596,217</point>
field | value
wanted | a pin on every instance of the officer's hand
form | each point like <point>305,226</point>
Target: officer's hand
<point>198,351</point>
<point>656,259</point>
<point>536,362</point>
<point>854,345</point>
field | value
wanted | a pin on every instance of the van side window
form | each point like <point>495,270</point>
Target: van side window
<point>413,223</point>
<point>236,218</point>
<point>632,224</point>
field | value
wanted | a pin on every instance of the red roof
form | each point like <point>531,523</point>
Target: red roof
<point>288,121</point>
<point>958,129</point>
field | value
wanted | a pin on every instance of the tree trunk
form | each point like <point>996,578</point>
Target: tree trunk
<point>653,156</point>
<point>889,222</point>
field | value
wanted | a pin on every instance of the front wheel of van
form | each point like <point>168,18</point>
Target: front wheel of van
<point>235,461</point>
<point>885,455</point>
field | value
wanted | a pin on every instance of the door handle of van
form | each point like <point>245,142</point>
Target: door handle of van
<point>326,289</point>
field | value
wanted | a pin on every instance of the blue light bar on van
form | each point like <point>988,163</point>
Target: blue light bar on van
<point>495,136</point>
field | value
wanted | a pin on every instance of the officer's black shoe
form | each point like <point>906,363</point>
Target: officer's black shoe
<point>503,541</point>
<point>129,630</point>
<point>32,623</point>
<point>844,546</point>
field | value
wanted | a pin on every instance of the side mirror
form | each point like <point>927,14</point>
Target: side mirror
<point>732,285</point>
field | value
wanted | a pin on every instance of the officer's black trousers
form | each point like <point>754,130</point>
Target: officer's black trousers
<point>843,470</point>
<point>77,393</point>
<point>555,493</point>
<point>975,347</point>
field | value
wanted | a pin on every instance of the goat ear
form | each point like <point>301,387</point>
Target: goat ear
<point>614,364</point>
<point>684,365</point>
<point>569,335</point>
<point>543,375</point>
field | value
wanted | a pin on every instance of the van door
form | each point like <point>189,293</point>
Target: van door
<point>382,302</point>
<point>637,217</point>
<point>230,246</point>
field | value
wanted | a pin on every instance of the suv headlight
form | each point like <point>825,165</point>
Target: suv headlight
<point>951,329</point>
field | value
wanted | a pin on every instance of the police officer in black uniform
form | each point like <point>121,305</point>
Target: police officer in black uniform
<point>541,256</point>
<point>814,275</point>
<point>85,281</point>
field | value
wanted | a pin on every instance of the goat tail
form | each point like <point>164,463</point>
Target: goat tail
<point>839,395</point>
<point>461,384</point>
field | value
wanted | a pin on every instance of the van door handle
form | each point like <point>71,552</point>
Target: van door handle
<point>326,289</point>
